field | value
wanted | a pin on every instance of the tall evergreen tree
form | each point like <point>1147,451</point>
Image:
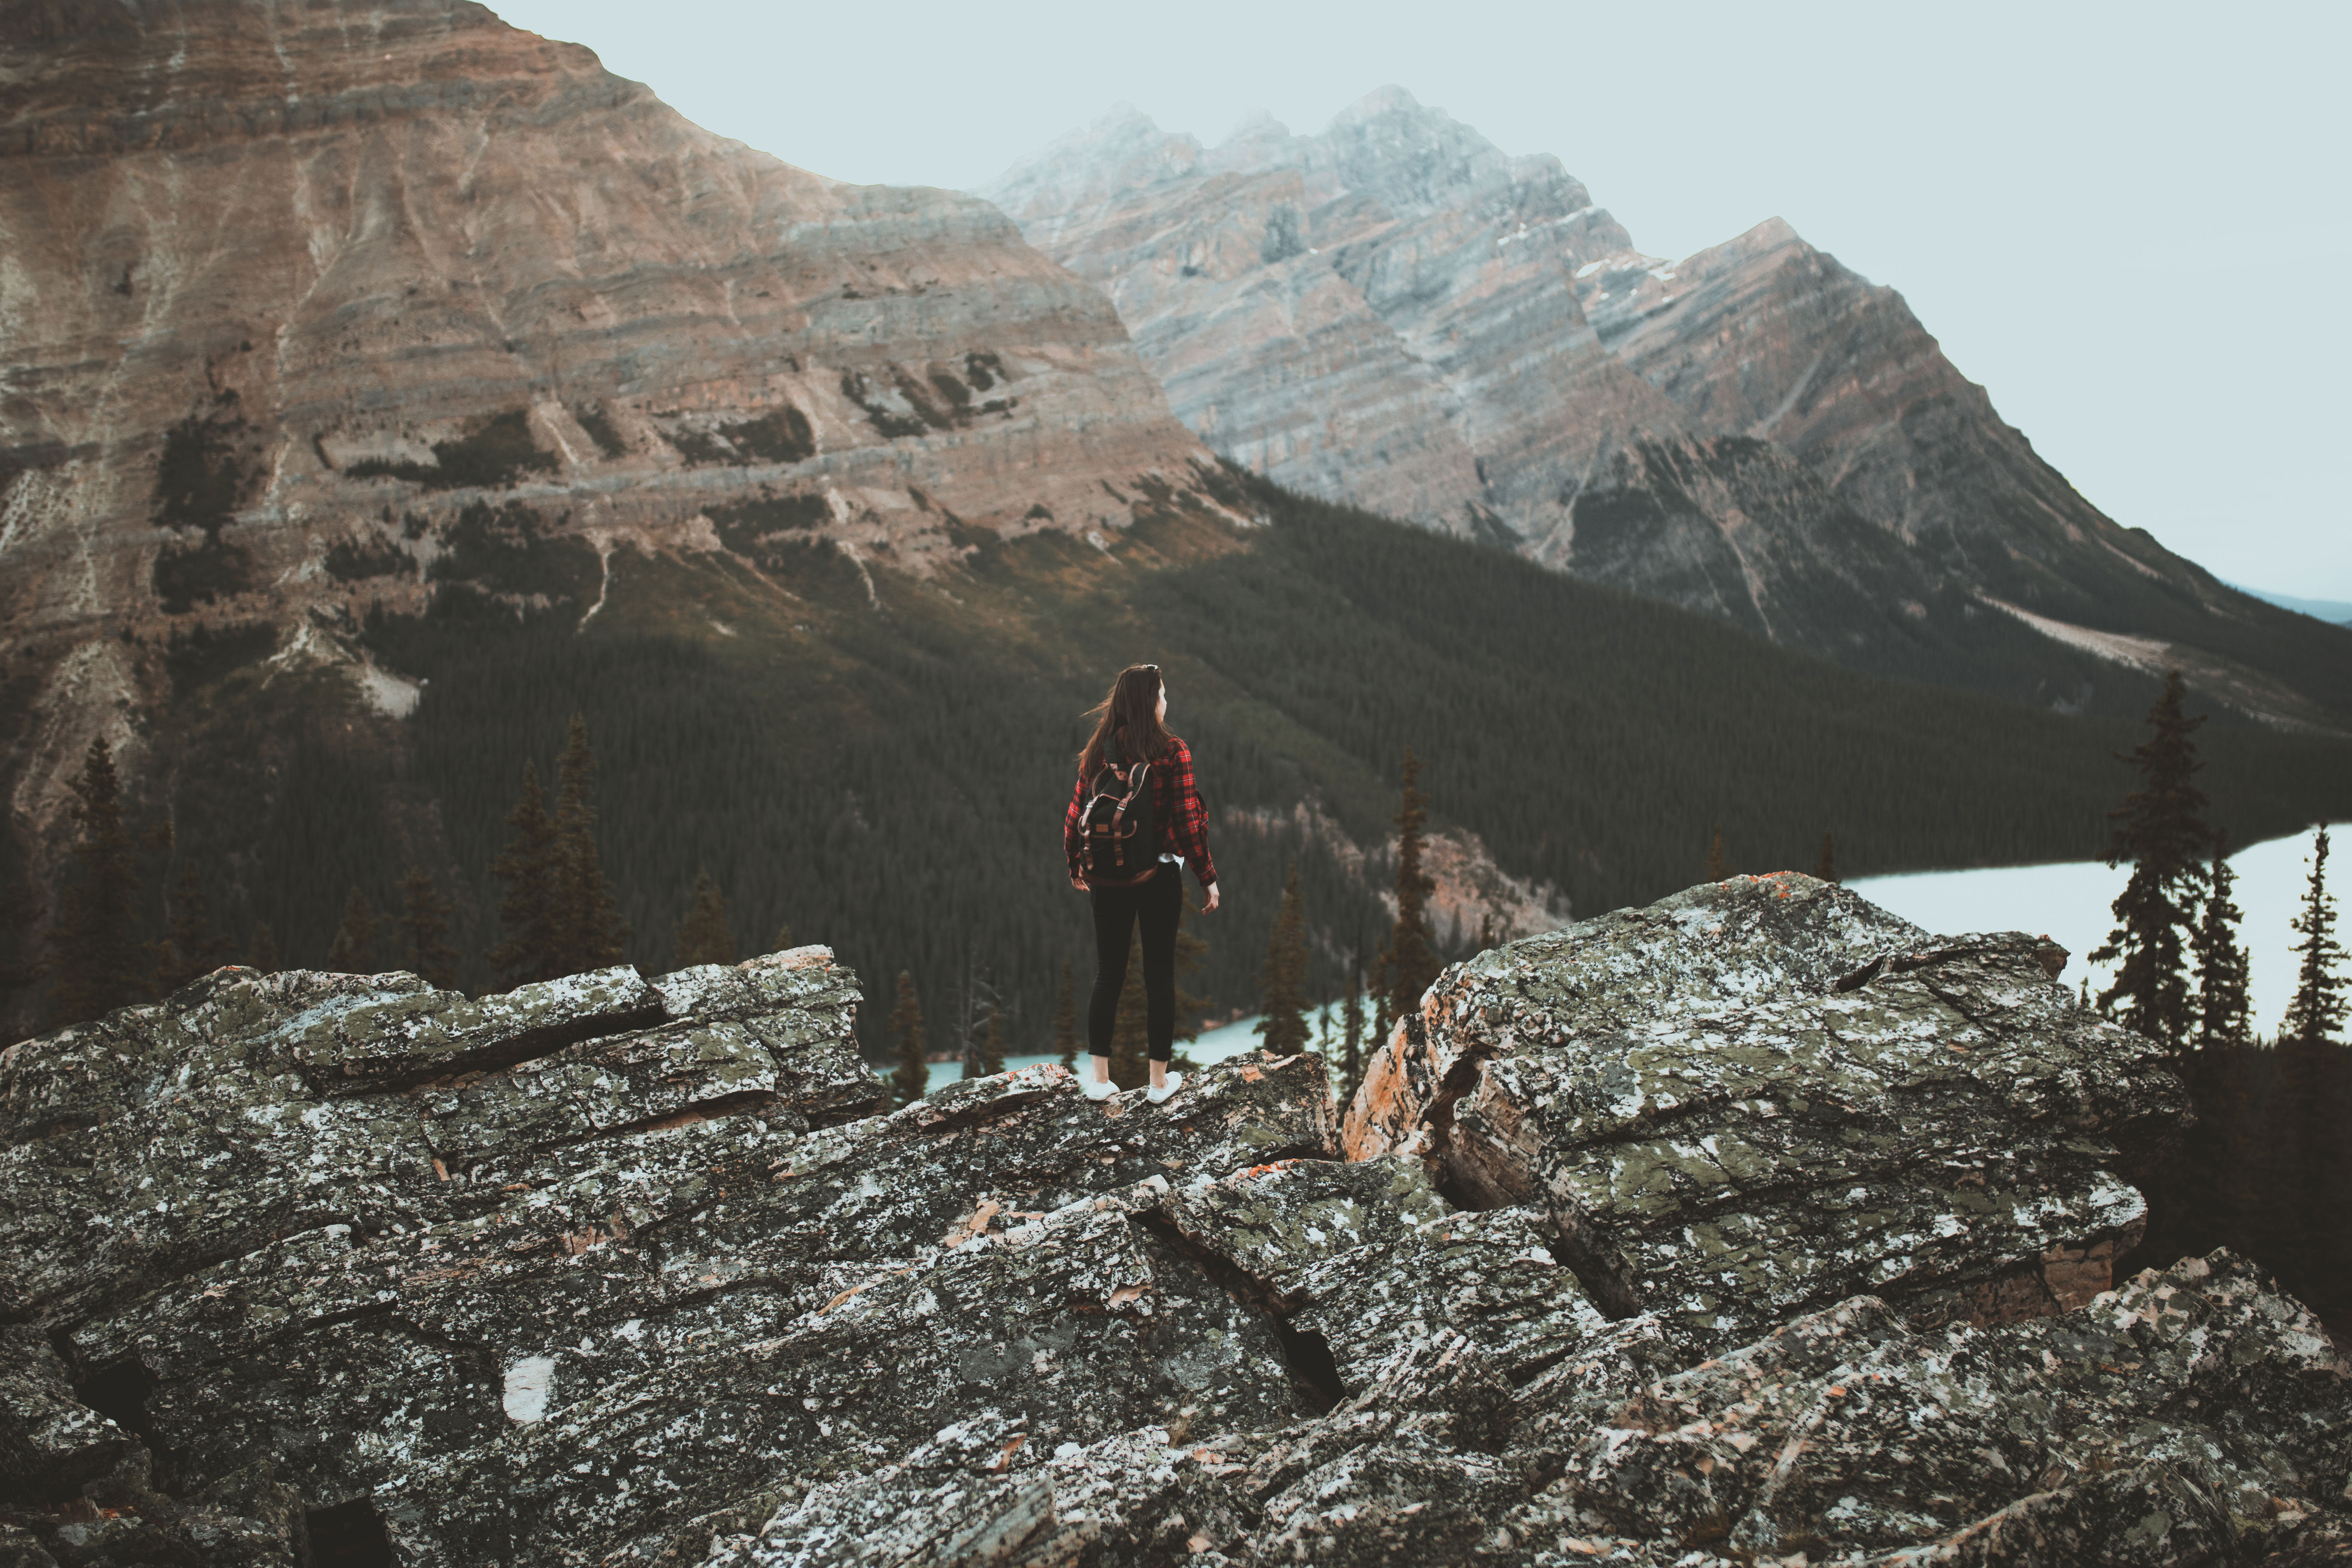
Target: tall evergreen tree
<point>353,951</point>
<point>2316,1013</point>
<point>1282,993</point>
<point>1825,868</point>
<point>261,953</point>
<point>2162,830</point>
<point>1191,957</point>
<point>424,931</point>
<point>528,949</point>
<point>94,953</point>
<point>190,946</point>
<point>992,1042</point>
<point>1719,864</point>
<point>1351,1036</point>
<point>914,1074</point>
<point>1065,1019</point>
<point>704,936</point>
<point>784,938</point>
<point>588,929</point>
<point>1407,961</point>
<point>2222,1011</point>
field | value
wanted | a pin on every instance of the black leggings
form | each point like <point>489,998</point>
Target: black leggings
<point>1157,903</point>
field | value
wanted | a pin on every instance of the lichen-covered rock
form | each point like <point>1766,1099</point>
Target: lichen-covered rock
<point>1764,1095</point>
<point>311,1269</point>
<point>2118,1433</point>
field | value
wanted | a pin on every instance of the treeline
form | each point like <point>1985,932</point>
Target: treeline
<point>884,771</point>
<point>2267,1167</point>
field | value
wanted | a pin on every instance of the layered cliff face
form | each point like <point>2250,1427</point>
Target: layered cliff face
<point>1814,1258</point>
<point>1395,314</point>
<point>306,307</point>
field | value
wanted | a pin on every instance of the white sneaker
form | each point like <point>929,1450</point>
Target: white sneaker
<point>1102,1090</point>
<point>1162,1095</point>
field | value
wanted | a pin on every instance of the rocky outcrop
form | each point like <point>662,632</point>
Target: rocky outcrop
<point>310,1267</point>
<point>1759,1096</point>
<point>314,307</point>
<point>1395,314</point>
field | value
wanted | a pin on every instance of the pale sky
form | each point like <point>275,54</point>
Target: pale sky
<point>2125,220</point>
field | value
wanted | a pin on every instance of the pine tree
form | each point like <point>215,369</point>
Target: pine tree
<point>1191,957</point>
<point>527,911</point>
<point>1719,864</point>
<point>353,951</point>
<point>2162,831</point>
<point>783,940</point>
<point>94,953</point>
<point>2221,977</point>
<point>992,1043</point>
<point>1352,1038</point>
<point>1282,991</point>
<point>424,931</point>
<point>914,1074</point>
<point>261,953</point>
<point>2317,1011</point>
<point>1066,1019</point>
<point>1826,869</point>
<point>703,937</point>
<point>588,929</point>
<point>191,948</point>
<point>1407,962</point>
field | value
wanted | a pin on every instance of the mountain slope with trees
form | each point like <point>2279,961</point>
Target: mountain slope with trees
<point>878,760</point>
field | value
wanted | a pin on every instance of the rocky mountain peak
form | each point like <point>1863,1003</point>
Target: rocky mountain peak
<point>419,270</point>
<point>1394,314</point>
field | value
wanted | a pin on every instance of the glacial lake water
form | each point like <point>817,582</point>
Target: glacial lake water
<point>2068,902</point>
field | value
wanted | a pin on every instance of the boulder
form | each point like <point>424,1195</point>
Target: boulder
<point>1764,1095</point>
<point>308,1269</point>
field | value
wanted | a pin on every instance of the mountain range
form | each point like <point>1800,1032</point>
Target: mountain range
<point>382,383</point>
<point>1395,314</point>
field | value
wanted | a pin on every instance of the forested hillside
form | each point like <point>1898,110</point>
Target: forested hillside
<point>879,760</point>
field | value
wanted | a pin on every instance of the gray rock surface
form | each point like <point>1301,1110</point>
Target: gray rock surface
<point>307,1268</point>
<point>1762,1096</point>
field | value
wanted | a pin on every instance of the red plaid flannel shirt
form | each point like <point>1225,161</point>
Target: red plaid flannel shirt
<point>1178,818</point>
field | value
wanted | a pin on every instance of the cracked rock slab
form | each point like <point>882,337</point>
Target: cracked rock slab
<point>1763,1095</point>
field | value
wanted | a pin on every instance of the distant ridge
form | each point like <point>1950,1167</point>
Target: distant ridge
<point>1395,314</point>
<point>2336,611</point>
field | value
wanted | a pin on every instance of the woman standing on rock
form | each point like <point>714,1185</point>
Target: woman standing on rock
<point>1135,821</point>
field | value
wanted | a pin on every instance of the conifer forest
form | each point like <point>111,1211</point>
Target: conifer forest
<point>880,761</point>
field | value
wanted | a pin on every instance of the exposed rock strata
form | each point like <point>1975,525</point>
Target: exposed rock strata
<point>307,1264</point>
<point>304,303</point>
<point>1763,1095</point>
<point>1395,314</point>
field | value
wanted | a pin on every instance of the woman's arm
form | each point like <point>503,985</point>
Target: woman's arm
<point>1188,826</point>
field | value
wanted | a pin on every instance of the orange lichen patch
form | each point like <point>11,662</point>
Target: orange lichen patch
<point>1384,1111</point>
<point>1251,1075</point>
<point>854,1289</point>
<point>1003,1461</point>
<point>1124,1294</point>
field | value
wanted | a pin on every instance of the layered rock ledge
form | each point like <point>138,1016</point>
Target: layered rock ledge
<point>1752,1227</point>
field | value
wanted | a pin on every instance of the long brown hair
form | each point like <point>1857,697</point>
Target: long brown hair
<point>1132,711</point>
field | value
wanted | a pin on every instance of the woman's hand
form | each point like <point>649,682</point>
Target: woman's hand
<point>1209,899</point>
<point>1078,881</point>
